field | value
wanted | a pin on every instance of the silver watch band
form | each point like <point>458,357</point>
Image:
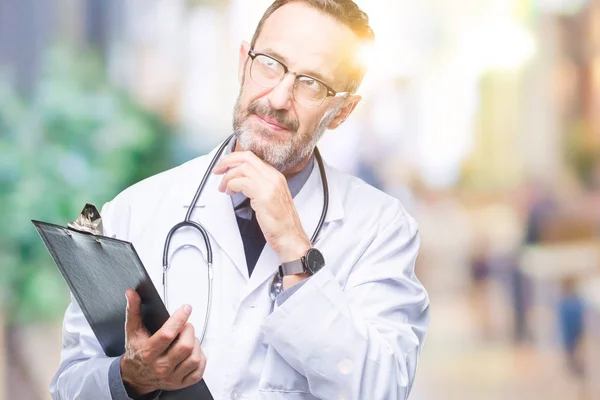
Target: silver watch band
<point>291,268</point>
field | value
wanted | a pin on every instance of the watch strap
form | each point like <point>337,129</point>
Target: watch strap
<point>292,267</point>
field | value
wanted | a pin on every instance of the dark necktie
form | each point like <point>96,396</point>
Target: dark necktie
<point>252,237</point>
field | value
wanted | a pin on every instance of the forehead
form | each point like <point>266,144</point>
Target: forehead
<point>308,40</point>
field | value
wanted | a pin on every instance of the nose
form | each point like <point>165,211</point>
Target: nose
<point>281,96</point>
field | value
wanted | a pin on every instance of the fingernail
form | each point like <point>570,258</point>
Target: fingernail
<point>127,299</point>
<point>187,308</point>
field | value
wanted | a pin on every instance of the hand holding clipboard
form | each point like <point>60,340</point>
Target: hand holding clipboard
<point>170,359</point>
<point>99,270</point>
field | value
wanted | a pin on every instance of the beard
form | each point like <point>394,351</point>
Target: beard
<point>283,154</point>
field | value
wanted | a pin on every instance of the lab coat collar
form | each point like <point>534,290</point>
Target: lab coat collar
<point>214,211</point>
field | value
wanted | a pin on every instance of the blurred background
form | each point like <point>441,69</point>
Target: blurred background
<point>482,116</point>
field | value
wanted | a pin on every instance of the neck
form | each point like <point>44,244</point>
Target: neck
<point>296,169</point>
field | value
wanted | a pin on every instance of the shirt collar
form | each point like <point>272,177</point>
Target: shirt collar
<point>295,182</point>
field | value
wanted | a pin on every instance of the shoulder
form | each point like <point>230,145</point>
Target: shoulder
<point>141,200</point>
<point>368,204</point>
<point>154,186</point>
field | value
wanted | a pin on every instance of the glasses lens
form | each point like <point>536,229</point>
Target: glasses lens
<point>309,92</point>
<point>266,71</point>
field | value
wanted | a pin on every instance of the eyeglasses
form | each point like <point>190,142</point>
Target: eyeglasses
<point>308,91</point>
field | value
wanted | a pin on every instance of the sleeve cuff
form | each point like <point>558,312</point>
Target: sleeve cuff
<point>117,387</point>
<point>286,294</point>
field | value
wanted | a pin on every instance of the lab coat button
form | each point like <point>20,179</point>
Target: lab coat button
<point>346,366</point>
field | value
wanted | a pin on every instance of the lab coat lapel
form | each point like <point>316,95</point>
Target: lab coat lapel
<point>218,217</point>
<point>214,211</point>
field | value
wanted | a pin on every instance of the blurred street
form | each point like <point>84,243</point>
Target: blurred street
<point>458,364</point>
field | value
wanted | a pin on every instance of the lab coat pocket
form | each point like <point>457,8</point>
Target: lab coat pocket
<point>280,380</point>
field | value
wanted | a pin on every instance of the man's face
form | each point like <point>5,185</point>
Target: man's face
<point>268,121</point>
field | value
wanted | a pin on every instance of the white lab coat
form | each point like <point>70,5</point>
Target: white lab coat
<point>352,331</point>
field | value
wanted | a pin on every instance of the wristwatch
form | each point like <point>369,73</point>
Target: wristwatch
<point>311,263</point>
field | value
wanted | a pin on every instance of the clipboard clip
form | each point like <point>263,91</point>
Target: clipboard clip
<point>88,221</point>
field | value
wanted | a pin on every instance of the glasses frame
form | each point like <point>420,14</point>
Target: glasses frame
<point>330,91</point>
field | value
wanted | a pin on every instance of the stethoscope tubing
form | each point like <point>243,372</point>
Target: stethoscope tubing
<point>187,222</point>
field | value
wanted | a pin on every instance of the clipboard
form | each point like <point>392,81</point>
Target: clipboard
<point>98,270</point>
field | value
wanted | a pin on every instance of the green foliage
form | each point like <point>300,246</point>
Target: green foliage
<point>77,140</point>
<point>582,151</point>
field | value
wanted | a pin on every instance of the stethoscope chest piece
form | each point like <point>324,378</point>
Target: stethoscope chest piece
<point>276,286</point>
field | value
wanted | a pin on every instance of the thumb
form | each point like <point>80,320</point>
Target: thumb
<point>133,313</point>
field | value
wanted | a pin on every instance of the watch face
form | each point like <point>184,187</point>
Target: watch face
<point>314,261</point>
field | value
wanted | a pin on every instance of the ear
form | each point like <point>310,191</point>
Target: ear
<point>350,104</point>
<point>244,49</point>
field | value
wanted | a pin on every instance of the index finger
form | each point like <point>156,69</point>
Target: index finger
<point>234,159</point>
<point>162,339</point>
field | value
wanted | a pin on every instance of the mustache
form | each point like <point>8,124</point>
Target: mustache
<point>281,116</point>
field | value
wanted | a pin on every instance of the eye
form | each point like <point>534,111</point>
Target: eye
<point>308,82</point>
<point>311,88</point>
<point>267,62</point>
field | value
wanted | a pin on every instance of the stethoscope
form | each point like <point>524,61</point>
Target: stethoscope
<point>277,282</point>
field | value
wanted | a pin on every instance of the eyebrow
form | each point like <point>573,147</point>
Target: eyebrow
<point>281,58</point>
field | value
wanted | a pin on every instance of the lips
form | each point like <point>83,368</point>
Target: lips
<point>272,123</point>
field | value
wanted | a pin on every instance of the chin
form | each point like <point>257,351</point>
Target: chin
<point>268,146</point>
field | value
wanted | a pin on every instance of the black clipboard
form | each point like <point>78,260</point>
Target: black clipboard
<point>98,271</point>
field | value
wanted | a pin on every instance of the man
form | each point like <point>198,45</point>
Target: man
<point>351,329</point>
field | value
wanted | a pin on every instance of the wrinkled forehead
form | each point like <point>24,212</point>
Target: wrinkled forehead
<point>310,42</point>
